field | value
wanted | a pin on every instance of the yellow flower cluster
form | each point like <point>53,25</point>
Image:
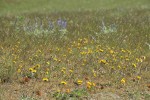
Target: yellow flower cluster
<point>90,85</point>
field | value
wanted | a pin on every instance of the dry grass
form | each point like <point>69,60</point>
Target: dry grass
<point>101,54</point>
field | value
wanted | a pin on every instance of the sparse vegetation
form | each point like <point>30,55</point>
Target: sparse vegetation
<point>71,54</point>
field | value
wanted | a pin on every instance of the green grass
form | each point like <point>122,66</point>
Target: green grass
<point>47,6</point>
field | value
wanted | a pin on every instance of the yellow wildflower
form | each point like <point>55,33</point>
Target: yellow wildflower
<point>123,50</point>
<point>88,86</point>
<point>79,82</point>
<point>30,59</point>
<point>45,79</point>
<point>64,68</point>
<point>123,81</point>
<point>102,61</point>
<point>46,72</point>
<point>20,66</point>
<point>137,59</point>
<point>30,69</point>
<point>70,71</point>
<point>89,83</point>
<point>69,50</point>
<point>134,65</point>
<point>94,84</point>
<point>63,82</point>
<point>129,52</point>
<point>55,59</point>
<point>141,60</point>
<point>39,51</point>
<point>38,65</point>
<point>14,62</point>
<point>33,71</point>
<point>67,90</point>
<point>82,53</point>
<point>48,63</point>
<point>85,40</point>
<point>36,55</point>
<point>138,77</point>
<point>127,59</point>
<point>89,51</point>
<point>121,57</point>
<point>83,64</point>
<point>111,51</point>
<point>63,71</point>
<point>58,91</point>
<point>94,74</point>
<point>19,70</point>
<point>101,50</point>
<point>119,67</point>
<point>143,57</point>
<point>18,42</point>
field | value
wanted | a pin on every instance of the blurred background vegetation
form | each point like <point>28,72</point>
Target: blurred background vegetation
<point>46,6</point>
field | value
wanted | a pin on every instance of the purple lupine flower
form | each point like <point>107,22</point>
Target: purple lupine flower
<point>50,24</point>
<point>59,22</point>
<point>62,23</point>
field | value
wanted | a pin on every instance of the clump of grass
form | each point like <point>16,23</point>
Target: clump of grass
<point>75,94</point>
